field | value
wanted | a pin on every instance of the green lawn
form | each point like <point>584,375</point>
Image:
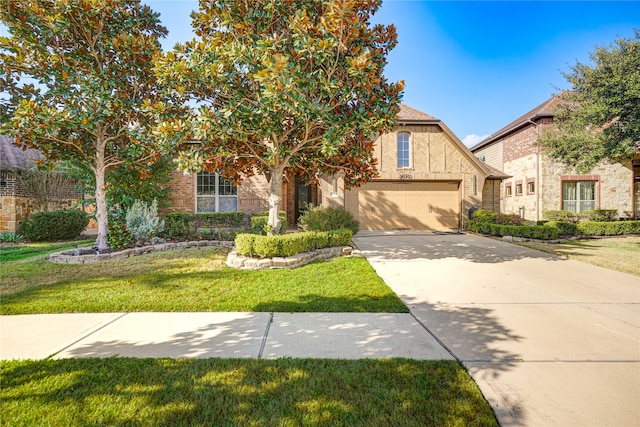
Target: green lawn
<point>255,392</point>
<point>190,280</point>
<point>616,253</point>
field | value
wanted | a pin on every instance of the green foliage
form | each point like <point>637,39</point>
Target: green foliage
<point>541,232</point>
<point>318,218</point>
<point>600,215</point>
<point>56,225</point>
<point>9,237</point>
<point>295,86</point>
<point>118,236</point>
<point>509,219</point>
<point>225,219</point>
<point>484,216</point>
<point>260,224</point>
<point>599,119</point>
<point>564,216</point>
<point>89,64</point>
<point>289,244</point>
<point>613,228</point>
<point>178,225</point>
<point>143,222</point>
<point>564,228</point>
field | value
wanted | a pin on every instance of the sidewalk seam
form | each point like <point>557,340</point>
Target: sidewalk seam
<point>265,336</point>
<point>438,340</point>
<point>85,336</point>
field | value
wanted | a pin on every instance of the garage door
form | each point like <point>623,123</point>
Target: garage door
<point>409,205</point>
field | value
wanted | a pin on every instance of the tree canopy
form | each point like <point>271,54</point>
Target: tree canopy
<point>280,87</point>
<point>599,118</point>
<point>89,63</point>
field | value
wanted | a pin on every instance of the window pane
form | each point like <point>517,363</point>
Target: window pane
<point>403,150</point>
<point>206,183</point>
<point>206,204</point>
<point>226,188</point>
<point>228,204</point>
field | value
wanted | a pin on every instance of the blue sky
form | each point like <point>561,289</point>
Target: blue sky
<point>478,65</point>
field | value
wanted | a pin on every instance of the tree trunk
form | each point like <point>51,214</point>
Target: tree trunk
<point>274,202</point>
<point>101,209</point>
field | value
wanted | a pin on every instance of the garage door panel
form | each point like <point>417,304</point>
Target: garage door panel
<point>409,205</point>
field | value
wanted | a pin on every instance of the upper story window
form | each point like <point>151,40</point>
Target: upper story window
<point>215,194</point>
<point>404,150</point>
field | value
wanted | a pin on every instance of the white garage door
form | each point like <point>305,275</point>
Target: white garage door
<point>409,205</point>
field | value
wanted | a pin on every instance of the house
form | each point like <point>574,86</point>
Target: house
<point>428,181</point>
<point>539,183</point>
<point>23,193</point>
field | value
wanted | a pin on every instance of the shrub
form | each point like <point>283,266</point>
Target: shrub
<point>289,244</point>
<point>564,228</point>
<point>118,236</point>
<point>259,224</point>
<point>612,228</point>
<point>600,215</point>
<point>9,237</point>
<point>508,219</point>
<point>484,216</point>
<point>541,232</point>
<point>564,216</point>
<point>56,225</point>
<point>320,218</point>
<point>178,225</point>
<point>220,219</point>
<point>143,222</point>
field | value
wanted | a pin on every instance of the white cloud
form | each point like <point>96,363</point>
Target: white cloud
<point>473,139</point>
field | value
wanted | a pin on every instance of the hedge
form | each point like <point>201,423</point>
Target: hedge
<point>600,215</point>
<point>610,228</point>
<point>541,232</point>
<point>212,219</point>
<point>290,244</point>
<point>259,224</point>
<point>56,225</point>
<point>203,225</point>
<point>564,228</point>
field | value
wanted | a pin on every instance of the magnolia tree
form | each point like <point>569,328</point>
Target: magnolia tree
<point>599,119</point>
<point>276,87</point>
<point>89,66</point>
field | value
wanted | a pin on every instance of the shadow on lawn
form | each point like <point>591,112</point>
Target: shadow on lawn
<point>241,392</point>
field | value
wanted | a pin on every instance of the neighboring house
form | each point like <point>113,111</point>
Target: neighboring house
<point>539,184</point>
<point>18,195</point>
<point>428,181</point>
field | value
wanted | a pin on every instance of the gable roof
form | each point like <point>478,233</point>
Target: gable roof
<point>546,109</point>
<point>409,115</point>
<point>13,157</point>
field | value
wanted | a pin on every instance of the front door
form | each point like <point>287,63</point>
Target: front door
<point>302,198</point>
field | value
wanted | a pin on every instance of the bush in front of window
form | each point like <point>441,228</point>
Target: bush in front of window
<point>611,228</point>
<point>178,225</point>
<point>254,245</point>
<point>565,216</point>
<point>321,218</point>
<point>220,219</point>
<point>56,225</point>
<point>509,219</point>
<point>599,215</point>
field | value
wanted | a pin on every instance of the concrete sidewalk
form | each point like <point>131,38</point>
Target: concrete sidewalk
<point>202,335</point>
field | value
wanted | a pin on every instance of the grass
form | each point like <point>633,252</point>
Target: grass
<point>190,280</point>
<point>617,253</point>
<point>16,252</point>
<point>256,392</point>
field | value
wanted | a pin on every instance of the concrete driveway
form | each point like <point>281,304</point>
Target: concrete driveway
<point>550,342</point>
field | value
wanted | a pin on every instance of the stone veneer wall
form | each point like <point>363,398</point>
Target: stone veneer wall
<point>14,209</point>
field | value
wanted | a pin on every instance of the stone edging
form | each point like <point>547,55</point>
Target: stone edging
<point>234,260</point>
<point>67,257</point>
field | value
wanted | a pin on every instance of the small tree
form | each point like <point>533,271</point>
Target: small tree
<point>91,63</point>
<point>599,119</point>
<point>285,86</point>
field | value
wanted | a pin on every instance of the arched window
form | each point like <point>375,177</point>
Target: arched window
<point>404,150</point>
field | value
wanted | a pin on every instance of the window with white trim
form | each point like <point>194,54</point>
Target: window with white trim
<point>404,151</point>
<point>578,196</point>
<point>215,194</point>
